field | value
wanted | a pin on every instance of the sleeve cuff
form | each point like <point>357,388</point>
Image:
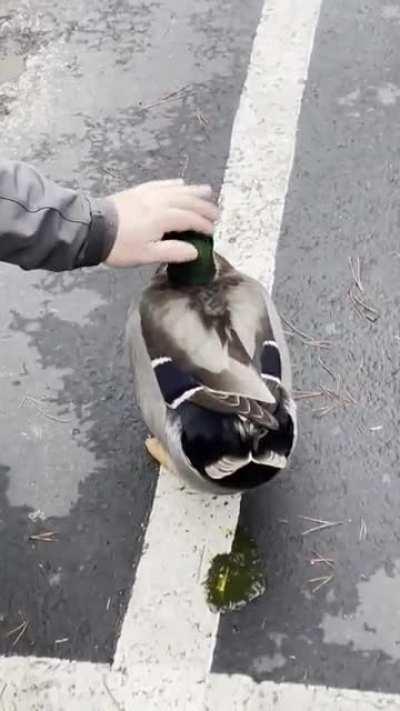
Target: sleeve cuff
<point>102,231</point>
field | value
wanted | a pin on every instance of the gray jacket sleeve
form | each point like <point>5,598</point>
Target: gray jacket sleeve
<point>45,226</point>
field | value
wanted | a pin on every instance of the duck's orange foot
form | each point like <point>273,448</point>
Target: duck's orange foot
<point>157,452</point>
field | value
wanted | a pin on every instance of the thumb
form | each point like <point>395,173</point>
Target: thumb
<point>172,251</point>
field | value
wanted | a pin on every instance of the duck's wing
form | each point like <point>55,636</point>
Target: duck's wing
<point>178,386</point>
<point>240,371</point>
<point>258,327</point>
<point>194,362</point>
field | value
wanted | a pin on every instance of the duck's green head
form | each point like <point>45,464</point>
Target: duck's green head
<point>199,272</point>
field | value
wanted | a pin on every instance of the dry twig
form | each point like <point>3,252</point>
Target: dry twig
<point>321,581</point>
<point>104,169</point>
<point>362,308</point>
<point>201,119</point>
<point>171,96</point>
<point>355,267</point>
<point>37,403</point>
<point>360,305</point>
<point>307,394</point>
<point>363,530</point>
<point>339,397</point>
<point>322,343</point>
<point>19,631</point>
<point>321,559</point>
<point>44,537</point>
<point>322,525</point>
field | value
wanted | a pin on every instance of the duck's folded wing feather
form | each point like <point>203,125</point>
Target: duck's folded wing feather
<point>258,327</point>
<point>178,386</point>
<point>220,365</point>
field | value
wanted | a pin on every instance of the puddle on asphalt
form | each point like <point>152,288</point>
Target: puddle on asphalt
<point>236,578</point>
<point>11,68</point>
<point>375,624</point>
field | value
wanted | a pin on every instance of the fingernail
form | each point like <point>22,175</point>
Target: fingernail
<point>191,253</point>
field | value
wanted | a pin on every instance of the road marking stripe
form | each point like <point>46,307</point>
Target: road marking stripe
<point>264,136</point>
<point>244,693</point>
<point>168,629</point>
<point>168,634</point>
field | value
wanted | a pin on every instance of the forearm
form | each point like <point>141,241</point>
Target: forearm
<point>45,226</point>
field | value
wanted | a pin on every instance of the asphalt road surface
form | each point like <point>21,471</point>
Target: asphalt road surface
<point>104,95</point>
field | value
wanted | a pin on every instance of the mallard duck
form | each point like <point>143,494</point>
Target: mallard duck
<point>212,373</point>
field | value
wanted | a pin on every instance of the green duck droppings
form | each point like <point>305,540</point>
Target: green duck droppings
<point>235,578</point>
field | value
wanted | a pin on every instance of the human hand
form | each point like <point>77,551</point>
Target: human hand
<point>149,211</point>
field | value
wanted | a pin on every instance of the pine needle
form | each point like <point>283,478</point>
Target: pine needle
<point>44,537</point>
<point>322,525</point>
<point>355,267</point>
<point>19,631</point>
<point>171,96</point>
<point>304,337</point>
<point>28,399</point>
<point>360,304</point>
<point>323,580</point>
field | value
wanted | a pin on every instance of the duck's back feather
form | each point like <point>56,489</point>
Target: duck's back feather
<point>217,340</point>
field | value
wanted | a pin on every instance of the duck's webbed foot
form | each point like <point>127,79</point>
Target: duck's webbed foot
<point>157,451</point>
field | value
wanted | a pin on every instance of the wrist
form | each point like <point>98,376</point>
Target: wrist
<point>102,231</point>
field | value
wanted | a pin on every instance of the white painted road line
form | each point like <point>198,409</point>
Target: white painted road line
<point>34,684</point>
<point>244,693</point>
<point>168,631</point>
<point>167,639</point>
<point>264,136</point>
